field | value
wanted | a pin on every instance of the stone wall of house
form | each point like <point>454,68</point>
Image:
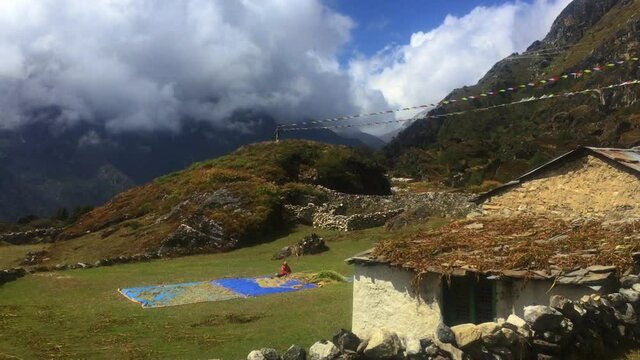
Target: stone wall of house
<point>585,187</point>
<point>383,298</point>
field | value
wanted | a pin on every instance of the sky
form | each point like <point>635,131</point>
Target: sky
<point>146,65</point>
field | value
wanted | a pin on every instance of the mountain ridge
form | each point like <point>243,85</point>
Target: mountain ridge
<point>480,148</point>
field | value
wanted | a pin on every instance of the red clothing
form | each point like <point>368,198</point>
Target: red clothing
<point>284,270</point>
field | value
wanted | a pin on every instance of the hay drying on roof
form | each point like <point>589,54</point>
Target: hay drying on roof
<point>495,245</point>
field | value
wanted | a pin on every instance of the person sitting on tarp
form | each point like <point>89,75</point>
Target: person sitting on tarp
<point>284,269</point>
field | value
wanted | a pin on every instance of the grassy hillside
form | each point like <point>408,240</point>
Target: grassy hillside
<point>500,144</point>
<point>217,205</point>
<point>85,317</point>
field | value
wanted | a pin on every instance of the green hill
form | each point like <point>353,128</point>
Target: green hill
<point>500,144</point>
<point>220,204</point>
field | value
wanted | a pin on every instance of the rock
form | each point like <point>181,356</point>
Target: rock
<point>431,350</point>
<point>346,340</point>
<point>255,355</point>
<point>323,350</point>
<point>295,352</point>
<point>502,352</point>
<point>490,333</point>
<point>362,346</point>
<point>382,344</point>
<point>412,347</point>
<point>636,287</point>
<point>453,352</point>
<point>516,321</point>
<point>629,280</point>
<point>626,314</point>
<point>616,299</point>
<point>475,226</point>
<point>542,318</point>
<point>263,354</point>
<point>547,347</point>
<point>466,335</point>
<point>509,337</point>
<point>444,334</point>
<point>312,244</point>
<point>630,295</point>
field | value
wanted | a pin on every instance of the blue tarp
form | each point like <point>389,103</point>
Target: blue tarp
<point>261,286</point>
<point>216,290</point>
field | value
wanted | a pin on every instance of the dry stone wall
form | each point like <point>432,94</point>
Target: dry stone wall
<point>346,212</point>
<point>31,236</point>
<point>594,327</point>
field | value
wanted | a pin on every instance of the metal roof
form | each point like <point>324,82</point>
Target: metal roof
<point>628,159</point>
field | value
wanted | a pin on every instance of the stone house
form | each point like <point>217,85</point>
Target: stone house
<point>570,229</point>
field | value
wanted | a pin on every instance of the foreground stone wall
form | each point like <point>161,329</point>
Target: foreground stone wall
<point>585,187</point>
<point>594,327</point>
<point>383,298</point>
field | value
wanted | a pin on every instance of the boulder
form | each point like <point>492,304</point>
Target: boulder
<point>630,295</point>
<point>412,347</point>
<point>626,314</point>
<point>509,337</point>
<point>466,335</point>
<point>543,318</point>
<point>263,354</point>
<point>516,321</point>
<point>490,333</point>
<point>295,352</point>
<point>382,344</point>
<point>312,244</point>
<point>444,334</point>
<point>629,280</point>
<point>616,299</point>
<point>323,350</point>
<point>346,340</point>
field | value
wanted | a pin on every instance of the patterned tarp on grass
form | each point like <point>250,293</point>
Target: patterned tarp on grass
<point>216,290</point>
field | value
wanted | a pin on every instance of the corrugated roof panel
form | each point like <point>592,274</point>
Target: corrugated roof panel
<point>626,157</point>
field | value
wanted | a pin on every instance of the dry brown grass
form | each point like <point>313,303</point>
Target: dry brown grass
<point>517,243</point>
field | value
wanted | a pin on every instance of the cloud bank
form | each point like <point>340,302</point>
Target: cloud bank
<point>145,65</point>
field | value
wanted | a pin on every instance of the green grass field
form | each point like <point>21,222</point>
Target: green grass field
<point>79,313</point>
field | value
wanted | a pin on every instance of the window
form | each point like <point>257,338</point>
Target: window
<point>468,300</point>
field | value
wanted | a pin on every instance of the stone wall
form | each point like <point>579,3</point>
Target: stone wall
<point>327,220</point>
<point>593,327</point>
<point>585,187</point>
<point>31,236</point>
<point>348,212</point>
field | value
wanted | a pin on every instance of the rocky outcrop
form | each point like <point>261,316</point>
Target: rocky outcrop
<point>11,274</point>
<point>312,244</point>
<point>31,236</point>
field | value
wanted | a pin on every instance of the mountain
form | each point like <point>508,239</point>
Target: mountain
<point>44,167</point>
<point>218,204</point>
<point>485,147</point>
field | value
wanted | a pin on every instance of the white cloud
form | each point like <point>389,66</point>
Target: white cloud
<point>458,52</point>
<point>149,64</point>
